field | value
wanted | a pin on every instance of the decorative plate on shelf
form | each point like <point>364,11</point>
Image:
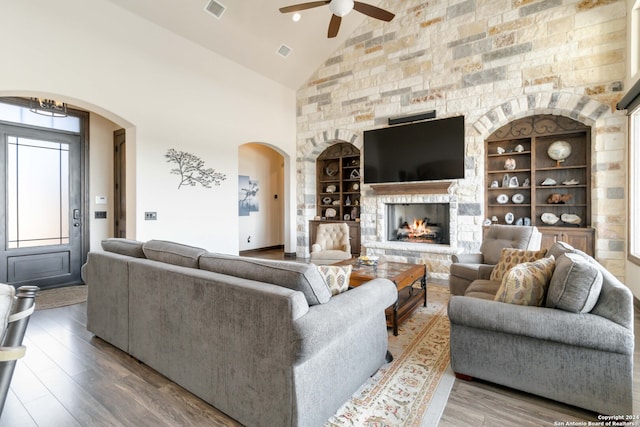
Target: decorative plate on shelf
<point>502,199</point>
<point>332,169</point>
<point>518,198</point>
<point>559,150</point>
<point>330,213</point>
<point>508,218</point>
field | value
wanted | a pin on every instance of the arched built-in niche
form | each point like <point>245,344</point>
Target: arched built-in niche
<point>308,153</point>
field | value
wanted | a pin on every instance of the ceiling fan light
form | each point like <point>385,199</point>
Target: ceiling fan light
<point>341,7</point>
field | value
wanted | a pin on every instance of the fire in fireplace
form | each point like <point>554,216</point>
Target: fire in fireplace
<point>418,222</point>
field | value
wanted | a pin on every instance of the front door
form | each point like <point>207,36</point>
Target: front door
<point>41,225</point>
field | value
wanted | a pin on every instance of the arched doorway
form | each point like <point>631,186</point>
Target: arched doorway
<point>261,198</point>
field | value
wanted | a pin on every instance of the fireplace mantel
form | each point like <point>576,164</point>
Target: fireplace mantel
<point>434,187</point>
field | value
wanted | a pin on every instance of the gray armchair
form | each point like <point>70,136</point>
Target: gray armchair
<point>332,243</point>
<point>466,268</point>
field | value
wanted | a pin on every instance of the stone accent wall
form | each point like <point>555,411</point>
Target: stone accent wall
<point>493,61</point>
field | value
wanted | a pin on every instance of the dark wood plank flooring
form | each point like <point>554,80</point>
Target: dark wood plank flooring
<point>70,378</point>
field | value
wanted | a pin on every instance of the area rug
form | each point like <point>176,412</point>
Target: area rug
<point>413,389</point>
<point>61,297</point>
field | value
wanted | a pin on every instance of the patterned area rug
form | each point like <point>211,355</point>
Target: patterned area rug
<point>413,389</point>
<point>60,297</point>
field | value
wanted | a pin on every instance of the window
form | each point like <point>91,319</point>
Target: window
<point>634,186</point>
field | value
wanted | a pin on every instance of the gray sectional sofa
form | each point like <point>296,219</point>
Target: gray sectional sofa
<point>263,341</point>
<point>577,348</point>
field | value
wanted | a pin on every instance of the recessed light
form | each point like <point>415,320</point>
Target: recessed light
<point>296,17</point>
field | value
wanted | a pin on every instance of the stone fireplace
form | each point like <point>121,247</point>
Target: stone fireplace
<point>386,209</point>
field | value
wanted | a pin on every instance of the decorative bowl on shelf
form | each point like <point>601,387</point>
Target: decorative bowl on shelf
<point>331,188</point>
<point>326,200</point>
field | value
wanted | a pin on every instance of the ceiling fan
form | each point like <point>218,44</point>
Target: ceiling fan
<point>340,8</point>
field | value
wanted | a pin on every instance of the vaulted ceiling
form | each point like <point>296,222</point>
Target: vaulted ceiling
<point>250,32</point>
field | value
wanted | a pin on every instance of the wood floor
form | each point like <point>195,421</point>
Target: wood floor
<point>70,378</point>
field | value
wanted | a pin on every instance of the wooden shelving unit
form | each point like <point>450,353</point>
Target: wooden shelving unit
<point>526,142</point>
<point>338,183</point>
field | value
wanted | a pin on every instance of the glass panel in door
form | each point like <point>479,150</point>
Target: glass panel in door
<point>37,193</point>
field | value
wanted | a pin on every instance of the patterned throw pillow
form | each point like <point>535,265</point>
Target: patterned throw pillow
<point>510,257</point>
<point>336,277</point>
<point>526,283</point>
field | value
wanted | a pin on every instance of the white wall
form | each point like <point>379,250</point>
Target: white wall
<point>100,177</point>
<point>265,227</point>
<point>167,92</point>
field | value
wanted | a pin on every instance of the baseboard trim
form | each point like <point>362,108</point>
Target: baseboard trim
<point>267,248</point>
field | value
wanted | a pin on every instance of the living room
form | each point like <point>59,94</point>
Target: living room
<point>492,62</point>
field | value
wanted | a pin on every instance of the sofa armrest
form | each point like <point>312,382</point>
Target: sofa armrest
<point>581,330</point>
<point>316,247</point>
<point>484,271</point>
<point>467,258</point>
<point>324,322</point>
<point>347,248</point>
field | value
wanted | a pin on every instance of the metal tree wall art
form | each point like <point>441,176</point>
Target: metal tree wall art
<point>192,171</point>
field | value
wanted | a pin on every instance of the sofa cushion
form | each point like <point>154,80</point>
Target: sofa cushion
<point>336,277</point>
<point>485,289</point>
<point>510,257</point>
<point>298,276</point>
<point>124,247</point>
<point>575,285</point>
<point>526,283</point>
<point>173,253</point>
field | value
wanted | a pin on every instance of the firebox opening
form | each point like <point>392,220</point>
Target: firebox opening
<point>418,222</point>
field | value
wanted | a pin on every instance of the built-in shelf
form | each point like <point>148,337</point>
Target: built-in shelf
<point>519,152</point>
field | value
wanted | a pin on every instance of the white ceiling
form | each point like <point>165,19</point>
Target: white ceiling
<point>251,31</point>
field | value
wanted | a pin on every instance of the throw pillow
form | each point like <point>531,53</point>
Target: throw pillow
<point>336,277</point>
<point>575,285</point>
<point>526,283</point>
<point>510,257</point>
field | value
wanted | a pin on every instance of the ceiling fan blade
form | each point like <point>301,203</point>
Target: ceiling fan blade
<point>303,6</point>
<point>334,26</point>
<point>373,11</point>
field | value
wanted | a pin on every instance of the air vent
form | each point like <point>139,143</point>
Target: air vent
<point>284,51</point>
<point>215,8</point>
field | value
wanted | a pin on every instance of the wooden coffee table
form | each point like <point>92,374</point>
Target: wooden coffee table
<point>404,276</point>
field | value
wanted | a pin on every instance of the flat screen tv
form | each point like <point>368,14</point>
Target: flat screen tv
<point>425,151</point>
